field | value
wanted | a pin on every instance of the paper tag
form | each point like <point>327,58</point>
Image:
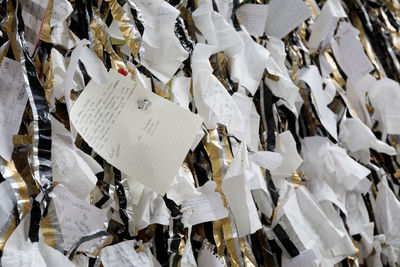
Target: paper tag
<point>69,167</point>
<point>312,77</point>
<point>123,254</point>
<point>206,207</point>
<point>137,131</point>
<point>325,24</point>
<point>285,15</point>
<point>76,217</point>
<point>349,53</point>
<point>13,99</point>
<point>253,17</point>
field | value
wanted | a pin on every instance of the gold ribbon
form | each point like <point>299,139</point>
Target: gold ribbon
<point>222,229</point>
<point>45,32</point>
<point>101,42</point>
<point>127,29</point>
<point>313,9</point>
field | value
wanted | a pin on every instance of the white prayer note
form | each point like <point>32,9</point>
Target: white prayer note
<point>327,117</point>
<point>164,52</point>
<point>71,167</point>
<point>182,188</point>
<point>7,205</point>
<point>61,11</point>
<point>251,119</point>
<point>349,53</point>
<point>180,89</point>
<point>207,258</point>
<point>266,159</point>
<point>206,207</point>
<point>253,18</point>
<point>144,135</point>
<point>306,258</point>
<point>291,160</point>
<point>20,251</point>
<point>13,99</point>
<point>151,209</point>
<point>124,254</point>
<point>357,137</point>
<point>285,15</point>
<point>387,212</point>
<point>325,25</point>
<point>33,13</point>
<point>76,217</point>
<point>238,182</point>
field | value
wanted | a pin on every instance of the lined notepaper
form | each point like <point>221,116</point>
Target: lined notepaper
<point>285,15</point>
<point>148,144</point>
<point>13,99</point>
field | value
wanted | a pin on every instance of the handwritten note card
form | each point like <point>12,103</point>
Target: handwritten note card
<point>13,100</point>
<point>285,15</point>
<point>144,135</point>
<point>208,206</point>
<point>124,254</point>
<point>253,17</point>
<point>349,53</point>
<point>76,217</point>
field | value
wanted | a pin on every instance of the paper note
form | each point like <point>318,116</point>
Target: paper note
<point>207,258</point>
<point>349,52</point>
<point>69,76</point>
<point>213,101</point>
<point>385,98</point>
<point>13,99</point>
<point>137,131</point>
<point>253,17</point>
<point>70,166</point>
<point>124,254</point>
<point>237,184</point>
<point>33,13</point>
<point>285,15</point>
<point>206,207</point>
<point>387,211</point>
<point>77,217</point>
<point>218,32</point>
<point>163,51</point>
<point>266,159</point>
<point>248,66</point>
<point>61,11</point>
<point>180,89</point>
<point>291,160</point>
<point>306,258</point>
<point>150,209</point>
<point>325,25</point>
<point>312,77</point>
<point>284,88</point>
<point>7,205</point>
<point>357,136</point>
<point>20,251</point>
<point>307,225</point>
<point>94,66</point>
<point>251,119</point>
<point>182,187</point>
